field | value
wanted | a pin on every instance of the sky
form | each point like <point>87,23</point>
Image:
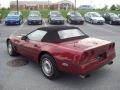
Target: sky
<point>96,3</point>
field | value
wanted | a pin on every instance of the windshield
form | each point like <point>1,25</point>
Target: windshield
<point>95,15</point>
<point>12,17</point>
<point>65,34</point>
<point>113,15</point>
<point>14,12</point>
<point>75,14</point>
<point>33,16</point>
<point>34,12</point>
<point>55,12</point>
<point>56,15</point>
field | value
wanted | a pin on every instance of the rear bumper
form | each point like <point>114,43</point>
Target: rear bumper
<point>34,22</point>
<point>77,22</point>
<point>57,22</point>
<point>84,69</point>
<point>116,22</point>
<point>98,22</point>
<point>94,65</point>
<point>12,22</point>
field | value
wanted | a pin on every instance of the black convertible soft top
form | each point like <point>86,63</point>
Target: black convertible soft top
<point>57,28</point>
<point>52,33</point>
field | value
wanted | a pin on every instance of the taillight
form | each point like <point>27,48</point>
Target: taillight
<point>111,46</point>
<point>84,55</point>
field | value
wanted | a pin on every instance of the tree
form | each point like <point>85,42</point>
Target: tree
<point>118,7</point>
<point>113,7</point>
<point>105,7</point>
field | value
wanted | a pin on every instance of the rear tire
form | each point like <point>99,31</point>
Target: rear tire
<point>11,49</point>
<point>49,21</point>
<point>91,21</point>
<point>82,23</point>
<point>48,66</point>
<point>110,22</point>
<point>69,21</point>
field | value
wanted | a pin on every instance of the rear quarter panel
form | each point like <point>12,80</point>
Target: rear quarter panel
<point>67,59</point>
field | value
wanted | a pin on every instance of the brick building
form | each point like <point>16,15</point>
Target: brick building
<point>30,5</point>
<point>35,5</point>
<point>64,4</point>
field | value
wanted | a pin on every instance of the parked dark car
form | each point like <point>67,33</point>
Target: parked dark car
<point>111,18</point>
<point>13,20</point>
<point>65,48</point>
<point>0,17</point>
<point>74,17</point>
<point>34,19</point>
<point>94,18</point>
<point>55,17</point>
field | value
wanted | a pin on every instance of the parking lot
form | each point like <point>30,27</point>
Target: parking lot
<point>29,76</point>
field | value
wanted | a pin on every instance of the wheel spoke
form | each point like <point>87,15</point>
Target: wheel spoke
<point>9,48</point>
<point>47,67</point>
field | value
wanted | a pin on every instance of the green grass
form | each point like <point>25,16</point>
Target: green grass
<point>45,12</point>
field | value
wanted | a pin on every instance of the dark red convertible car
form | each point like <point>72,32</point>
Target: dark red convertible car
<point>63,48</point>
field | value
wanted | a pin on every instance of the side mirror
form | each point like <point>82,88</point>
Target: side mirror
<point>24,37</point>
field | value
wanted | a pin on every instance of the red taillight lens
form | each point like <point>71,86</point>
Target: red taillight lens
<point>111,46</point>
<point>84,55</point>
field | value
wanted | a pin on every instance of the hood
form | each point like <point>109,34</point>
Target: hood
<point>97,18</point>
<point>115,18</point>
<point>34,18</point>
<point>85,44</point>
<point>77,18</point>
<point>57,18</point>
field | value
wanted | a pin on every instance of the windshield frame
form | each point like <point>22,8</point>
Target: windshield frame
<point>12,17</point>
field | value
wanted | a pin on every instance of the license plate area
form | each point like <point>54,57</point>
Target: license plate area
<point>102,56</point>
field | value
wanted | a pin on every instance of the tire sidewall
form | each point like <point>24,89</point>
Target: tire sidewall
<point>52,61</point>
<point>13,53</point>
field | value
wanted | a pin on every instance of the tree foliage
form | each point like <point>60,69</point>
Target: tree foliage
<point>105,7</point>
<point>113,7</point>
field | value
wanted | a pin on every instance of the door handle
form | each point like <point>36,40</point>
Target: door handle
<point>35,45</point>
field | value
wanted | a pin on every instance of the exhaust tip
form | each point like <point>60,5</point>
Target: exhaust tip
<point>85,76</point>
<point>110,63</point>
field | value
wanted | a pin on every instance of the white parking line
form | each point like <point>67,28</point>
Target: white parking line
<point>3,38</point>
<point>44,23</point>
<point>20,27</point>
<point>2,22</point>
<point>100,27</point>
<point>67,24</point>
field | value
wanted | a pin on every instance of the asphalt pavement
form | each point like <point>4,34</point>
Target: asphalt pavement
<point>29,76</point>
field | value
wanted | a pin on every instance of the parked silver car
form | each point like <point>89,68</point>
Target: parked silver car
<point>94,18</point>
<point>119,15</point>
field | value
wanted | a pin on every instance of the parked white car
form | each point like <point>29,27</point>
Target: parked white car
<point>94,18</point>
